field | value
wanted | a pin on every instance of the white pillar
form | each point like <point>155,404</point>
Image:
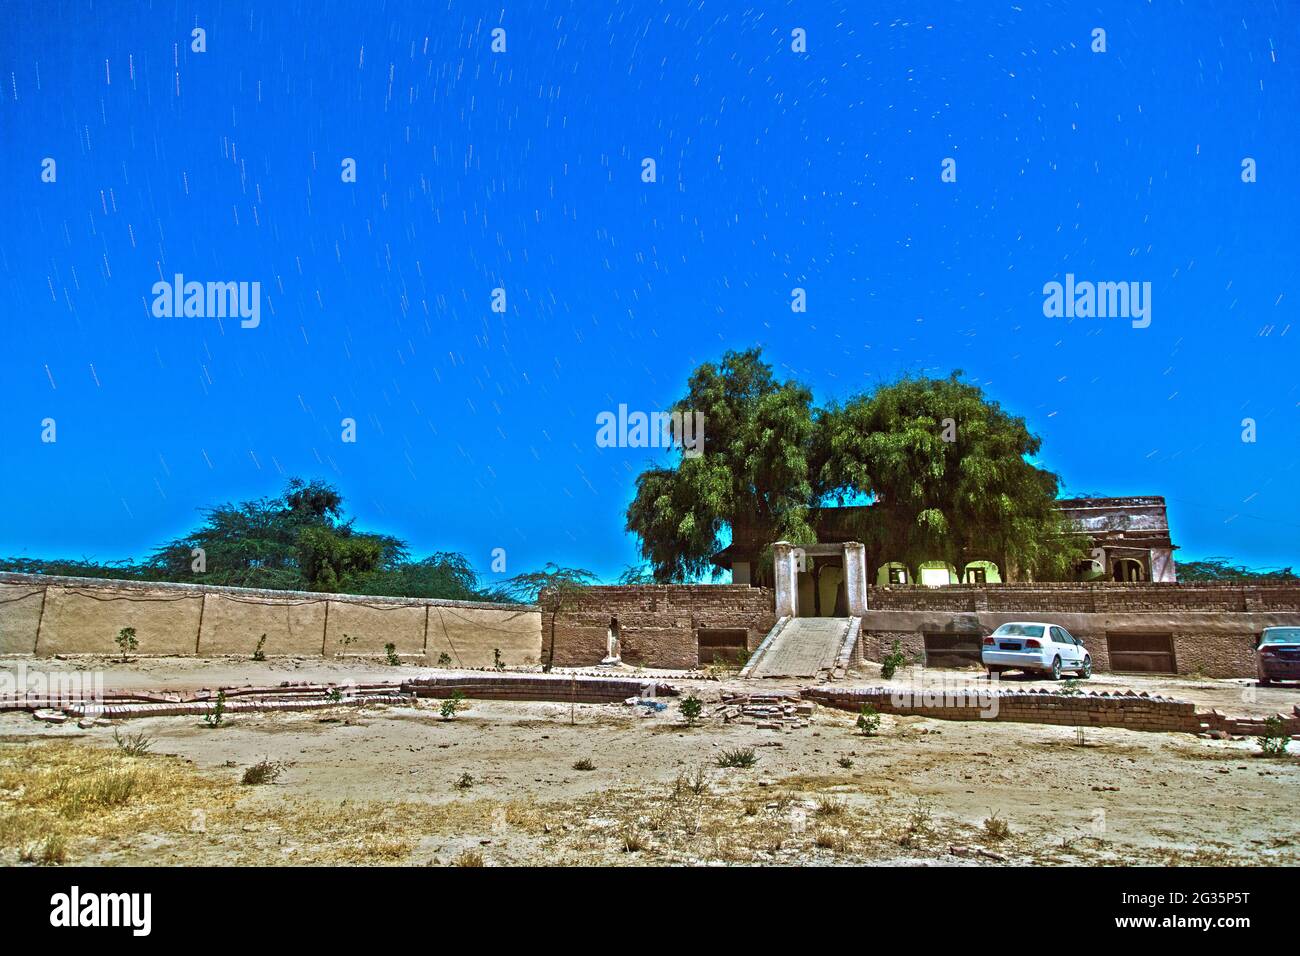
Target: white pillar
<point>855,577</point>
<point>787,579</point>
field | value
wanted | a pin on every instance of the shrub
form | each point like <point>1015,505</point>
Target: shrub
<point>742,757</point>
<point>133,745</point>
<point>464,781</point>
<point>218,715</point>
<point>996,829</point>
<point>632,840</point>
<point>694,785</point>
<point>830,840</point>
<point>692,707</point>
<point>830,807</point>
<point>1274,741</point>
<point>918,824</point>
<point>264,771</point>
<point>452,704</point>
<point>868,722</point>
<point>584,764</point>
<point>892,661</point>
<point>126,641</point>
<point>469,858</point>
<point>390,654</point>
<point>497,662</point>
<point>845,762</point>
<point>258,653</point>
<point>53,849</point>
<point>444,659</point>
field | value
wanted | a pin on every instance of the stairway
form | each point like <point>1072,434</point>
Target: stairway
<point>805,647</point>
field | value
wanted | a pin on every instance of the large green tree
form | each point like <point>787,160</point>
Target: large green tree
<point>751,480</point>
<point>949,475</point>
<point>298,540</point>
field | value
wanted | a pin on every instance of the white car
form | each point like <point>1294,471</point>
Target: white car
<point>1035,646</point>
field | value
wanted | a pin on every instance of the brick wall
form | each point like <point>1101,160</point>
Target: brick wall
<point>1213,628</point>
<point>657,623</point>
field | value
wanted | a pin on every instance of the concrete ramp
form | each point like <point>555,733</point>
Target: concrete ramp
<point>803,647</point>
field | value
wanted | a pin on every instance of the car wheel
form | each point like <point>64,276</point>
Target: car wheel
<point>1086,671</point>
<point>1055,673</point>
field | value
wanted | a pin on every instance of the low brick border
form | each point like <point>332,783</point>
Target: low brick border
<point>203,708</point>
<point>563,688</point>
<point>1129,711</point>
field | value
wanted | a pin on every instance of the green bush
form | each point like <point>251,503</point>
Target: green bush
<point>126,641</point>
<point>892,661</point>
<point>1275,740</point>
<point>742,757</point>
<point>868,721</point>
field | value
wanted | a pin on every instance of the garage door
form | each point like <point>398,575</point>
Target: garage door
<point>952,650</point>
<point>1144,653</point>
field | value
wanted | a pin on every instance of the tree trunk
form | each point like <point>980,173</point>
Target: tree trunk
<point>550,655</point>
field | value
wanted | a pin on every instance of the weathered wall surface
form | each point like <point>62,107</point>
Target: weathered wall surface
<point>1213,627</point>
<point>20,614</point>
<point>657,623</point>
<point>43,616</point>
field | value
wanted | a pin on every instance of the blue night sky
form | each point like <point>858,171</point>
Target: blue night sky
<point>776,169</point>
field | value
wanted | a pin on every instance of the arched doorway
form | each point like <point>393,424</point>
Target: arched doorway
<point>893,573</point>
<point>1129,569</point>
<point>981,572</point>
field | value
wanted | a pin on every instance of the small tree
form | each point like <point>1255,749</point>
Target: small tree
<point>218,714</point>
<point>555,589</point>
<point>452,704</point>
<point>126,641</point>
<point>691,708</point>
<point>868,721</point>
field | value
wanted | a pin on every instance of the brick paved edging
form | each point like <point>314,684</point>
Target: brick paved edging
<point>555,687</point>
<point>1130,711</point>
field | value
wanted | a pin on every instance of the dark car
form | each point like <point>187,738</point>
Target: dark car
<point>1278,654</point>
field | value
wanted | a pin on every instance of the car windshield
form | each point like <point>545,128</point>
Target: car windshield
<point>1019,630</point>
<point>1281,635</point>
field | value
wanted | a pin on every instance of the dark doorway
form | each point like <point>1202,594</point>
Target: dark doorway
<point>1142,653</point>
<point>952,650</point>
<point>722,644</point>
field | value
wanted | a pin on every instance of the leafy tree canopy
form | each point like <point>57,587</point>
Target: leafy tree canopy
<point>298,540</point>
<point>947,471</point>
<point>1221,569</point>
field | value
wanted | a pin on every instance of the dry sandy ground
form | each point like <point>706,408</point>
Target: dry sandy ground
<point>498,783</point>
